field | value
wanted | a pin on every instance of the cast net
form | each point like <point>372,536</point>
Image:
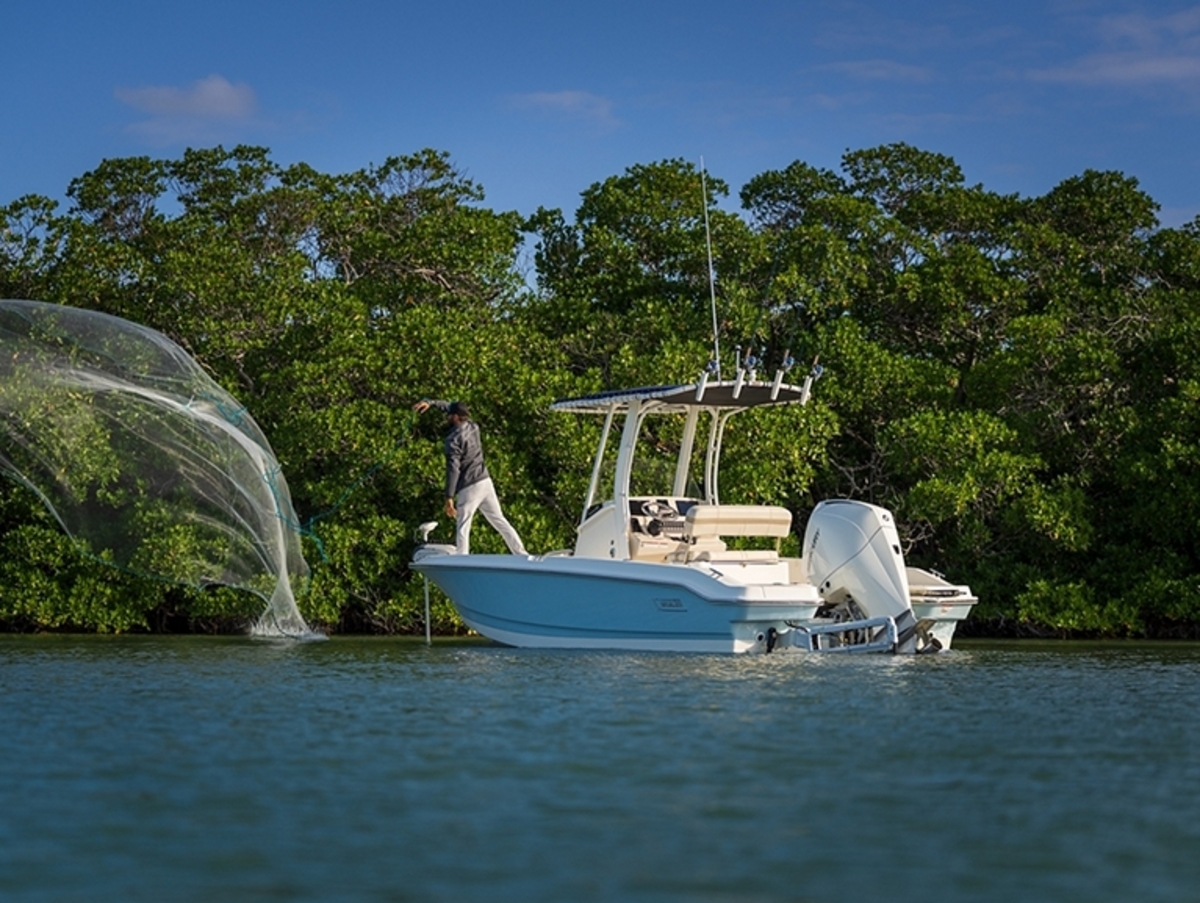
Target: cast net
<point>145,461</point>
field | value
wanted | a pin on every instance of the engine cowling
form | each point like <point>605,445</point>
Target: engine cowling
<point>852,550</point>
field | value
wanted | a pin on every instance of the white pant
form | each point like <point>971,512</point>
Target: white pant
<point>481,497</point>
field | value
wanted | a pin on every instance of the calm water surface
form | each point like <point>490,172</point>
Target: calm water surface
<point>230,769</point>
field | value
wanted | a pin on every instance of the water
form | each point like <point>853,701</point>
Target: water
<point>231,769</point>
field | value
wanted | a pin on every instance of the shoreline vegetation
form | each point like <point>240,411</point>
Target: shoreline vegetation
<point>1015,377</point>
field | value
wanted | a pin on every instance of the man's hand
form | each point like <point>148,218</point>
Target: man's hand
<point>421,407</point>
<point>451,511</point>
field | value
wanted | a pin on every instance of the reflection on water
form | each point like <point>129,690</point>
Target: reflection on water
<point>218,768</point>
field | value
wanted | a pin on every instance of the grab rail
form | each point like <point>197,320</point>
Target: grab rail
<point>884,641</point>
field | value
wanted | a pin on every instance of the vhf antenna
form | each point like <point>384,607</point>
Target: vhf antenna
<point>712,288</point>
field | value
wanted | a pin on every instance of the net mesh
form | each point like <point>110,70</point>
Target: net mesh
<point>144,460</point>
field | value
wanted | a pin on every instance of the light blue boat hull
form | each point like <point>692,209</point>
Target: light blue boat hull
<point>579,603</point>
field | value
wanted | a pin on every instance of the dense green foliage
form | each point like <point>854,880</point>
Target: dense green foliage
<point>1014,377</point>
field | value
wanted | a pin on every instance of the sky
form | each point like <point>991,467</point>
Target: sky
<point>536,101</point>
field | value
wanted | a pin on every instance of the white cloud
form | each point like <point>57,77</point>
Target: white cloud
<point>575,105</point>
<point>211,110</point>
<point>1138,51</point>
<point>879,70</point>
<point>1147,32</point>
<point>1126,69</point>
<point>213,97</point>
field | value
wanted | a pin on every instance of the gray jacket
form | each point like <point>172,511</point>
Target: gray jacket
<point>464,454</point>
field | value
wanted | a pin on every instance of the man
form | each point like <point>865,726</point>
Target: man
<point>467,478</point>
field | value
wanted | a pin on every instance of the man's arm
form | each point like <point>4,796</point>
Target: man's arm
<point>426,403</point>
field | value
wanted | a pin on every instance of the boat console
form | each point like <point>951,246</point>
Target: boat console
<point>659,516</point>
<point>682,530</point>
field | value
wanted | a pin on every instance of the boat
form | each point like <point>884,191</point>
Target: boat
<point>671,567</point>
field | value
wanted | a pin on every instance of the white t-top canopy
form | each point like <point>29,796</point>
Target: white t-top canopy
<point>679,399</point>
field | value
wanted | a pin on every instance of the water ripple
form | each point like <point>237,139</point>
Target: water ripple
<point>212,768</point>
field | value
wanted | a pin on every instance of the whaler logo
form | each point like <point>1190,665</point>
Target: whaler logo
<point>670,605</point>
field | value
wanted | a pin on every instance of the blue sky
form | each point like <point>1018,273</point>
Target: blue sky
<point>538,100</point>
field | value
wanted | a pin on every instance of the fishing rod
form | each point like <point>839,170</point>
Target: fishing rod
<point>712,286</point>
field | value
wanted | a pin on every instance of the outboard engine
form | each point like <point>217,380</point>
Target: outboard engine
<point>852,552</point>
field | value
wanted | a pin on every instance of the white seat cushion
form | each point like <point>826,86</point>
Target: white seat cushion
<point>737,520</point>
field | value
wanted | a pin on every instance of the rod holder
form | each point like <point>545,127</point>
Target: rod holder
<point>775,386</point>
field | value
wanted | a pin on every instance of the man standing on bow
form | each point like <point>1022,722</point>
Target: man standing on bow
<point>467,478</point>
